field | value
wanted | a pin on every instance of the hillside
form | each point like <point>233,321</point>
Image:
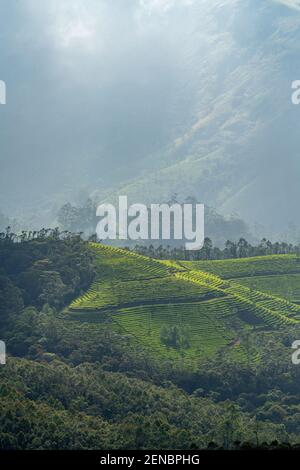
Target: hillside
<point>227,148</point>
<point>200,108</point>
<point>152,354</point>
<point>189,311</point>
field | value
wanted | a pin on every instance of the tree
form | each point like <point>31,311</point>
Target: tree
<point>242,248</point>
<point>207,248</point>
<point>78,219</point>
<point>230,249</point>
<point>175,337</point>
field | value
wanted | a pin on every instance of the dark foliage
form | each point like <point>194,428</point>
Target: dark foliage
<point>74,385</point>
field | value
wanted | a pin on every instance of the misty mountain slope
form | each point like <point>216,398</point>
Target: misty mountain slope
<point>152,98</point>
<point>239,150</point>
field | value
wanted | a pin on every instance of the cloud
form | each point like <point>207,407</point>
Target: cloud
<point>90,88</point>
<point>96,89</point>
<point>294,4</point>
<point>164,5</point>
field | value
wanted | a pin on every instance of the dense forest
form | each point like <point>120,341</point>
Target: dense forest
<point>77,385</point>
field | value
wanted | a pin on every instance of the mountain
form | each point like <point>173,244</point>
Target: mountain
<point>190,97</point>
<point>235,143</point>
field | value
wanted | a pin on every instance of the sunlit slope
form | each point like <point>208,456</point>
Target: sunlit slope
<point>284,285</point>
<point>275,275</point>
<point>150,300</point>
<point>115,263</point>
<point>245,267</point>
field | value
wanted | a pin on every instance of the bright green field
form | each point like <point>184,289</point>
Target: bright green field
<point>105,295</point>
<point>286,286</point>
<point>211,304</point>
<point>119,264</point>
<point>245,267</point>
<point>207,324</point>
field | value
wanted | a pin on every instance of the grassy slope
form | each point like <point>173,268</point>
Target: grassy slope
<point>245,267</point>
<point>285,285</point>
<point>139,295</point>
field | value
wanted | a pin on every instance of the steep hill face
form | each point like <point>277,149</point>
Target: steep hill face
<point>234,143</point>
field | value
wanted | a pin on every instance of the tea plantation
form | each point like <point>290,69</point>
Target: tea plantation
<point>189,311</point>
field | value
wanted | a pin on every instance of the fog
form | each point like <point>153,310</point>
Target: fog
<point>151,96</point>
<point>88,95</point>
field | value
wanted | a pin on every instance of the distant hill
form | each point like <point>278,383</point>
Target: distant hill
<point>232,145</point>
<point>200,105</point>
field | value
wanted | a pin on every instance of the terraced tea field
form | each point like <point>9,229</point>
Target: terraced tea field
<point>115,263</point>
<point>245,267</point>
<point>189,311</point>
<point>207,327</point>
<point>286,286</point>
<point>105,295</point>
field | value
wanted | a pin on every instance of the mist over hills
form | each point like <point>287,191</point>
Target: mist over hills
<point>155,98</point>
<point>240,152</point>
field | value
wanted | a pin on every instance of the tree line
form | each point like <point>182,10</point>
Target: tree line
<point>232,249</point>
